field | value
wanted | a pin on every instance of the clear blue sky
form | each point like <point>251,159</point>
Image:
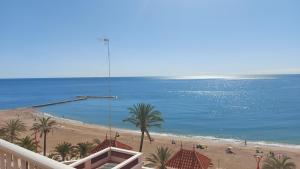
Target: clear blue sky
<point>58,38</point>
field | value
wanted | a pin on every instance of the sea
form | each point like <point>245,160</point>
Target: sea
<point>263,109</point>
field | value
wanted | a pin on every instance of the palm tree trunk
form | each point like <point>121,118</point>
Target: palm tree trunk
<point>11,138</point>
<point>142,141</point>
<point>45,143</point>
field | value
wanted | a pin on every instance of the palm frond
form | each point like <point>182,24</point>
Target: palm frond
<point>12,130</point>
<point>159,158</point>
<point>144,116</point>
<point>273,162</point>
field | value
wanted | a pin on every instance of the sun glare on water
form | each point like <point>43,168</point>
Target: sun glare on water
<point>226,77</point>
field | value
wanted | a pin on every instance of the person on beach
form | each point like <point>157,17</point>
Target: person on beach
<point>173,142</point>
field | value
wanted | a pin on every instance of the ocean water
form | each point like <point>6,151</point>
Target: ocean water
<point>256,108</point>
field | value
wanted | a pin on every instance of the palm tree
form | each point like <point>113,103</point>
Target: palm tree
<point>44,126</point>
<point>144,116</point>
<point>53,156</point>
<point>27,143</point>
<point>12,130</point>
<point>2,133</point>
<point>83,149</point>
<point>159,158</point>
<point>64,149</point>
<point>278,163</point>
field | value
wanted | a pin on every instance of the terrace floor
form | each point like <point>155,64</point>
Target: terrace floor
<point>107,166</point>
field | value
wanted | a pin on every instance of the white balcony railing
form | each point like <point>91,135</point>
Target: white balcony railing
<point>132,160</point>
<point>15,157</point>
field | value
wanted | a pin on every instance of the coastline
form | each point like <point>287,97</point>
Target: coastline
<point>185,137</point>
<point>75,131</point>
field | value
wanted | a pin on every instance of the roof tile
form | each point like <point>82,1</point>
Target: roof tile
<point>114,143</point>
<point>189,159</point>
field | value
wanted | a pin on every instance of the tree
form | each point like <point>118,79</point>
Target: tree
<point>54,156</point>
<point>2,134</point>
<point>27,143</point>
<point>64,149</point>
<point>144,116</point>
<point>12,130</point>
<point>159,158</point>
<point>278,163</point>
<point>83,149</point>
<point>44,126</point>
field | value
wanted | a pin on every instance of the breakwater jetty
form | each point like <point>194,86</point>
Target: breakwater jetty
<point>77,98</point>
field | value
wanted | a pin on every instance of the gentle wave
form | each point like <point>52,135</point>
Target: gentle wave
<point>194,137</point>
<point>229,140</point>
<point>62,119</point>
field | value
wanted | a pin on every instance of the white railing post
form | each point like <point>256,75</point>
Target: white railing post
<point>23,164</point>
<point>15,157</point>
<point>8,161</point>
<point>15,162</point>
<point>2,160</point>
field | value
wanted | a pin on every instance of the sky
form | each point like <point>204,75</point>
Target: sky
<point>59,38</point>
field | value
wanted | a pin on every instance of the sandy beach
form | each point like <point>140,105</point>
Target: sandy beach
<point>75,132</point>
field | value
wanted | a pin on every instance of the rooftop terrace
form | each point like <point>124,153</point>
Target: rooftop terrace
<point>15,157</point>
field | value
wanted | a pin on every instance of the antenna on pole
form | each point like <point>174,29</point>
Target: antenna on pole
<point>106,42</point>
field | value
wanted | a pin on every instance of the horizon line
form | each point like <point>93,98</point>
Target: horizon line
<point>208,76</point>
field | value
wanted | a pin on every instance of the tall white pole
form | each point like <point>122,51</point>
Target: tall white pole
<point>106,41</point>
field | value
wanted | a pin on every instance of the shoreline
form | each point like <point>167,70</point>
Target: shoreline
<point>74,131</point>
<point>185,137</point>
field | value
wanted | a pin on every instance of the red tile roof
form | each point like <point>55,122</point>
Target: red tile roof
<point>114,143</point>
<point>189,159</point>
